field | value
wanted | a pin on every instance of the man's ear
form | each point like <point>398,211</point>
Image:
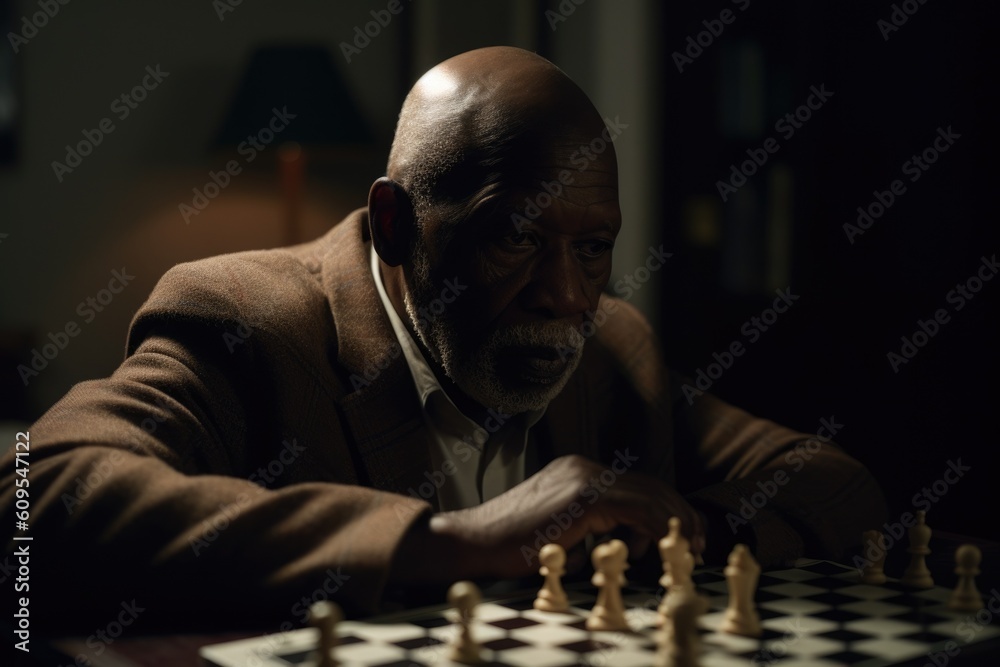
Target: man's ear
<point>390,216</point>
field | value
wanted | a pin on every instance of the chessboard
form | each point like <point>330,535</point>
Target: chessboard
<point>816,613</point>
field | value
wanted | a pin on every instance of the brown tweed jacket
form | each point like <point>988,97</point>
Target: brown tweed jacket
<point>262,446</point>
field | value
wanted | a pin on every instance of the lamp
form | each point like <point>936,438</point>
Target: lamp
<point>302,81</point>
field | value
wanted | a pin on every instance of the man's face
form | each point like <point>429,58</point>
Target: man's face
<point>534,256</point>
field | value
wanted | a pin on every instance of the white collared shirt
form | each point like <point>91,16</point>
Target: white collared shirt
<point>470,462</point>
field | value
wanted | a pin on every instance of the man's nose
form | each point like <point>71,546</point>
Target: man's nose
<point>559,287</point>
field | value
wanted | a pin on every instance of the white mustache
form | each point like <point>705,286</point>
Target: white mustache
<point>555,336</point>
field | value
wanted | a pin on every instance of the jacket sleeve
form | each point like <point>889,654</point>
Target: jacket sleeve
<point>786,493</point>
<point>139,495</point>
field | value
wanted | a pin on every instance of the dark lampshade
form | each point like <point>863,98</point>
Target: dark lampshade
<point>303,79</point>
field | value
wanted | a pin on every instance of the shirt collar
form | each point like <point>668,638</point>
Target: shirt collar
<point>424,378</point>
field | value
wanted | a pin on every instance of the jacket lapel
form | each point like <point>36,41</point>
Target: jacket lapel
<point>380,409</point>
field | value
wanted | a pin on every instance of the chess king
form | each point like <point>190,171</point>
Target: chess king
<point>453,373</point>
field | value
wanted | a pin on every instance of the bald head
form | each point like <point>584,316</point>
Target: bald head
<point>482,138</point>
<point>482,117</point>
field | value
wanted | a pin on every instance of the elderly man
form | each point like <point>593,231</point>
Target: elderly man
<point>431,391</point>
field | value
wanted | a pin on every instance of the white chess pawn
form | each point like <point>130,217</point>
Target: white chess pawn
<point>552,597</point>
<point>464,597</point>
<point>742,574</point>
<point>678,641</point>
<point>873,553</point>
<point>966,597</point>
<point>917,574</point>
<point>324,616</point>
<point>610,562</point>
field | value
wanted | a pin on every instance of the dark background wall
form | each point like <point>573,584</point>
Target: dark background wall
<point>785,228</point>
<point>782,229</point>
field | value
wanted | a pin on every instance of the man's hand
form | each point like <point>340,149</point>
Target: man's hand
<point>563,501</point>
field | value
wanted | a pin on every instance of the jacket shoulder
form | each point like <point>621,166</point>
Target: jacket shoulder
<point>626,340</point>
<point>260,290</point>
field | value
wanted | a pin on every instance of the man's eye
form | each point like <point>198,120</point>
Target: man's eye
<point>594,249</point>
<point>519,239</point>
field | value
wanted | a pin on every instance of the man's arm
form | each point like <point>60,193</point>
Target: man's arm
<point>142,489</point>
<point>787,493</point>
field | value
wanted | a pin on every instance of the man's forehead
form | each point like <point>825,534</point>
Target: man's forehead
<point>570,179</point>
<point>591,207</point>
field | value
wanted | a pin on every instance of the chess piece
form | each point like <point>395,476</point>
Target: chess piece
<point>324,616</point>
<point>965,597</point>
<point>678,593</point>
<point>552,597</point>
<point>678,564</point>
<point>678,640</point>
<point>464,597</point>
<point>680,585</point>
<point>873,546</point>
<point>671,548</point>
<point>742,574</point>
<point>917,575</point>
<point>609,576</point>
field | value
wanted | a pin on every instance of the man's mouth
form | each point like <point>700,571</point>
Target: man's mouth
<point>538,365</point>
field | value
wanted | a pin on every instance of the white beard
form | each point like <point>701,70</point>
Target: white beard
<point>473,369</point>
